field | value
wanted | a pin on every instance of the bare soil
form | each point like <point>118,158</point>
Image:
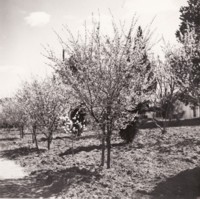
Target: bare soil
<point>10,170</point>
<point>155,165</point>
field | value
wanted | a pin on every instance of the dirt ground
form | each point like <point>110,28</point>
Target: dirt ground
<point>155,165</point>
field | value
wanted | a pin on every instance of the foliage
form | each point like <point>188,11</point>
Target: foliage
<point>187,61</point>
<point>190,16</point>
<point>186,66</point>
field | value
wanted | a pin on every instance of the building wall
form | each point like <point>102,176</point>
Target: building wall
<point>187,111</point>
<point>190,112</point>
<point>182,111</point>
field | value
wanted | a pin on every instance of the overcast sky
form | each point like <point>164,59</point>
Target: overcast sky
<point>26,25</point>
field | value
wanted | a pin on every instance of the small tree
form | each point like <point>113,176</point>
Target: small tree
<point>106,73</point>
<point>53,102</point>
<point>44,102</point>
<point>26,97</point>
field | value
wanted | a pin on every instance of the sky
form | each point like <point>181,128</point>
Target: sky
<point>26,26</point>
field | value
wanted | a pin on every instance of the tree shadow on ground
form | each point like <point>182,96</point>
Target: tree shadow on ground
<point>23,151</point>
<point>185,185</point>
<point>46,183</point>
<point>173,123</point>
<point>186,142</point>
<point>87,149</point>
<point>82,137</point>
<point>8,139</point>
<point>61,137</point>
<point>85,137</point>
<point>179,145</point>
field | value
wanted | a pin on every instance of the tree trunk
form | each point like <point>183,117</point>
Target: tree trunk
<point>108,134</point>
<point>72,145</point>
<point>49,140</point>
<point>22,131</point>
<point>35,137</point>
<point>108,149</point>
<point>48,143</point>
<point>108,142</point>
<point>103,146</point>
<point>33,134</point>
<point>33,140</point>
<point>167,115</point>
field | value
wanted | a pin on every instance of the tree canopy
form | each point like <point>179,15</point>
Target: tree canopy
<point>107,72</point>
<point>190,19</point>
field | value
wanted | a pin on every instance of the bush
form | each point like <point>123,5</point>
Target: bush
<point>129,133</point>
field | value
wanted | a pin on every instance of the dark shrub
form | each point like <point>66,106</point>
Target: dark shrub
<point>129,133</point>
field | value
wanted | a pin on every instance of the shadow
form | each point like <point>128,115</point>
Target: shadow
<point>87,149</point>
<point>186,142</point>
<point>8,139</point>
<point>173,123</point>
<point>43,139</point>
<point>185,185</point>
<point>179,145</point>
<point>46,183</point>
<point>88,137</point>
<point>80,149</point>
<point>24,151</point>
<point>61,138</point>
<point>77,138</point>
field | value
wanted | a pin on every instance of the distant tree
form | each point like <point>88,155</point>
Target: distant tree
<point>7,113</point>
<point>190,16</point>
<point>26,96</point>
<point>12,115</point>
<point>20,116</point>
<point>54,100</point>
<point>140,49</point>
<point>44,102</point>
<point>169,89</point>
<point>185,61</point>
<point>107,75</point>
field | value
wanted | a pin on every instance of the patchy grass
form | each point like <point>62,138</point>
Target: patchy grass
<point>153,166</point>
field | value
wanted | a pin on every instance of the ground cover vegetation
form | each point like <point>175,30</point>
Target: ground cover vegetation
<point>118,82</point>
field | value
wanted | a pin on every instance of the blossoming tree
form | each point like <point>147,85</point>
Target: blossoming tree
<point>106,73</point>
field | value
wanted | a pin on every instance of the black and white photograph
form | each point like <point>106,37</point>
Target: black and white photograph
<point>100,99</point>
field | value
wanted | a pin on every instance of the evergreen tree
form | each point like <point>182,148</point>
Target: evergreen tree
<point>190,19</point>
<point>141,49</point>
